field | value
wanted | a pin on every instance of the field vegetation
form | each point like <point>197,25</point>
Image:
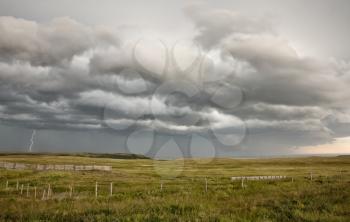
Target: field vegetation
<point>177,190</point>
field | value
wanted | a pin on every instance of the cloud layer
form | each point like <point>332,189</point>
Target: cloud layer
<point>239,81</point>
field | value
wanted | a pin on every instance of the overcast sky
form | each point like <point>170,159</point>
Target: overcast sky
<point>175,78</point>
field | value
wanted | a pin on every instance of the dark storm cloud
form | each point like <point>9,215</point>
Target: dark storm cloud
<point>280,76</point>
<point>285,94</point>
<point>48,44</point>
<point>66,75</point>
<point>71,86</point>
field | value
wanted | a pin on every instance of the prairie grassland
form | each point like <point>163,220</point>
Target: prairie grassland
<point>137,193</point>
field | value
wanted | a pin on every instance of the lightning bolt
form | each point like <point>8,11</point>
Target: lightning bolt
<point>32,141</point>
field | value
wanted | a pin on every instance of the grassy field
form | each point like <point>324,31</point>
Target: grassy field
<point>137,193</point>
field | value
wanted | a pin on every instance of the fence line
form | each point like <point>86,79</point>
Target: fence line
<point>101,189</point>
<point>259,178</point>
<point>42,167</point>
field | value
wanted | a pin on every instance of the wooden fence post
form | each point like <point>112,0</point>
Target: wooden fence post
<point>17,185</point>
<point>206,185</point>
<point>43,197</point>
<point>96,185</point>
<point>111,189</point>
<point>34,193</point>
<point>27,190</point>
<point>70,191</point>
<point>49,192</point>
<point>21,189</point>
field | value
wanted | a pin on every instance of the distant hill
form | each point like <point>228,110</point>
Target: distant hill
<point>344,156</point>
<point>92,155</point>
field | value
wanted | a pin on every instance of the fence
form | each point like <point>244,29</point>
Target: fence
<point>41,167</point>
<point>44,190</point>
<point>259,178</point>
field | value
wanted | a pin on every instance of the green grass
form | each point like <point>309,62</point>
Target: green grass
<point>138,197</point>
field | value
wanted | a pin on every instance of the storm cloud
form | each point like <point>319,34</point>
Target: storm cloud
<point>241,83</point>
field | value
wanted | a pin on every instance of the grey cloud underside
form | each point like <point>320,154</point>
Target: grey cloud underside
<point>69,76</point>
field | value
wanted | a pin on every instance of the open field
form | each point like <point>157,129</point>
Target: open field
<point>142,190</point>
